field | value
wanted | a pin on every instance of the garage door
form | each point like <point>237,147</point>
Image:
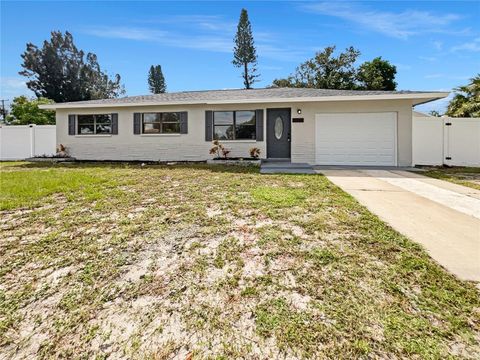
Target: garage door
<point>356,139</point>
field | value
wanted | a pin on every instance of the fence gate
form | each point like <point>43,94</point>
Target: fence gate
<point>461,141</point>
<point>444,140</point>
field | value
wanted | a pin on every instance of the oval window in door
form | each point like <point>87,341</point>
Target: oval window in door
<point>278,127</point>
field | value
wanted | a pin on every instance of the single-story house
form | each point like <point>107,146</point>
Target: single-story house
<point>315,126</point>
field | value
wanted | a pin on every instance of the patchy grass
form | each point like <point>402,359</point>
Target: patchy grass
<point>27,190</point>
<point>278,196</point>
<point>212,262</point>
<point>466,176</point>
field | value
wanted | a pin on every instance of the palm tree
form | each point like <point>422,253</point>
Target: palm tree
<point>466,102</point>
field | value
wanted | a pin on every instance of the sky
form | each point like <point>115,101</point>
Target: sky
<point>435,45</point>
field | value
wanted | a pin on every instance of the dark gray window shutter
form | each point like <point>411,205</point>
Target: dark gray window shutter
<point>259,123</point>
<point>71,124</point>
<point>136,123</point>
<point>208,125</point>
<point>184,122</point>
<point>114,124</point>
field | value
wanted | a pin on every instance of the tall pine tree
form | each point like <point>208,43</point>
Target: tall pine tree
<point>245,54</point>
<point>156,80</point>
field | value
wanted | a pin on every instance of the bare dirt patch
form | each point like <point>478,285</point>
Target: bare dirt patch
<point>183,262</point>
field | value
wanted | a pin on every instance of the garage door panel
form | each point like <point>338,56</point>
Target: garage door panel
<point>356,139</point>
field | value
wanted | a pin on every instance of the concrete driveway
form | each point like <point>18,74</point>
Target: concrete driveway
<point>443,217</point>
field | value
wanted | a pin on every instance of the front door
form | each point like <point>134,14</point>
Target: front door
<point>278,133</point>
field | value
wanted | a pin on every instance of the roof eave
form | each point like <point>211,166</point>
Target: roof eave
<point>417,98</point>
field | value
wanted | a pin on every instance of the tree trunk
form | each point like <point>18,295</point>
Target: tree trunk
<point>245,76</point>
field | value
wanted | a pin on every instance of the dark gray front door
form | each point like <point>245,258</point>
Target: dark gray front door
<point>278,133</point>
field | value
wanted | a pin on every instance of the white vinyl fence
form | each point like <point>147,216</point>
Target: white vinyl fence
<point>444,140</point>
<point>18,142</point>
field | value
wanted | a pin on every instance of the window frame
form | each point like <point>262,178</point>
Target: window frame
<point>234,124</point>
<point>94,123</point>
<point>161,122</point>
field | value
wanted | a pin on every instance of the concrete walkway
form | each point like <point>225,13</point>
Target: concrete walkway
<point>443,217</point>
<point>285,167</point>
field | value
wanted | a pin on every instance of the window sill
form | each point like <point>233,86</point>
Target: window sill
<point>237,141</point>
<point>159,135</point>
<point>93,135</point>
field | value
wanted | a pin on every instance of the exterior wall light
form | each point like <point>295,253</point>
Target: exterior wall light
<point>299,111</point>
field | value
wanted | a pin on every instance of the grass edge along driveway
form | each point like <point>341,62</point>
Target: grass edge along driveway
<point>466,176</point>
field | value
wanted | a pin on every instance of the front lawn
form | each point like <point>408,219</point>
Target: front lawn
<point>466,176</point>
<point>156,262</point>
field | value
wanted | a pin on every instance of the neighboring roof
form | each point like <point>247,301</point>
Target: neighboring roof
<point>251,96</point>
<point>420,114</point>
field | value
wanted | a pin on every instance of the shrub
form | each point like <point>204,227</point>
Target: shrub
<point>218,149</point>
<point>254,152</point>
<point>225,152</point>
<point>62,151</point>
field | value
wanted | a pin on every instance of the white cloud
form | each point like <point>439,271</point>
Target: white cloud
<point>201,32</point>
<point>438,45</point>
<point>203,36</point>
<point>280,52</point>
<point>206,22</point>
<point>473,45</point>
<point>400,25</point>
<point>270,67</point>
<point>428,58</point>
<point>128,33</point>
<point>433,76</point>
<point>446,76</point>
<point>202,42</point>
<point>11,87</point>
<point>14,83</point>
<point>403,66</point>
<point>437,105</point>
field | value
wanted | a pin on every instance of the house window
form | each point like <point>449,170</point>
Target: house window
<point>94,124</point>
<point>234,125</point>
<point>161,123</point>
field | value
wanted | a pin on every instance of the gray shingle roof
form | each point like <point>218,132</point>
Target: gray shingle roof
<point>237,95</point>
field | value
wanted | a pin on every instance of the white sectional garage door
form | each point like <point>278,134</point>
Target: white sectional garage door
<point>356,139</point>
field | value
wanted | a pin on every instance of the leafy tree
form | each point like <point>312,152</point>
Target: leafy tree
<point>245,53</point>
<point>156,80</point>
<point>327,71</point>
<point>434,113</point>
<point>466,102</point>
<point>25,111</point>
<point>61,72</point>
<point>377,74</point>
<point>286,82</point>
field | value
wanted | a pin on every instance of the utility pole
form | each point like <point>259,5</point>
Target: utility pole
<point>4,115</point>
